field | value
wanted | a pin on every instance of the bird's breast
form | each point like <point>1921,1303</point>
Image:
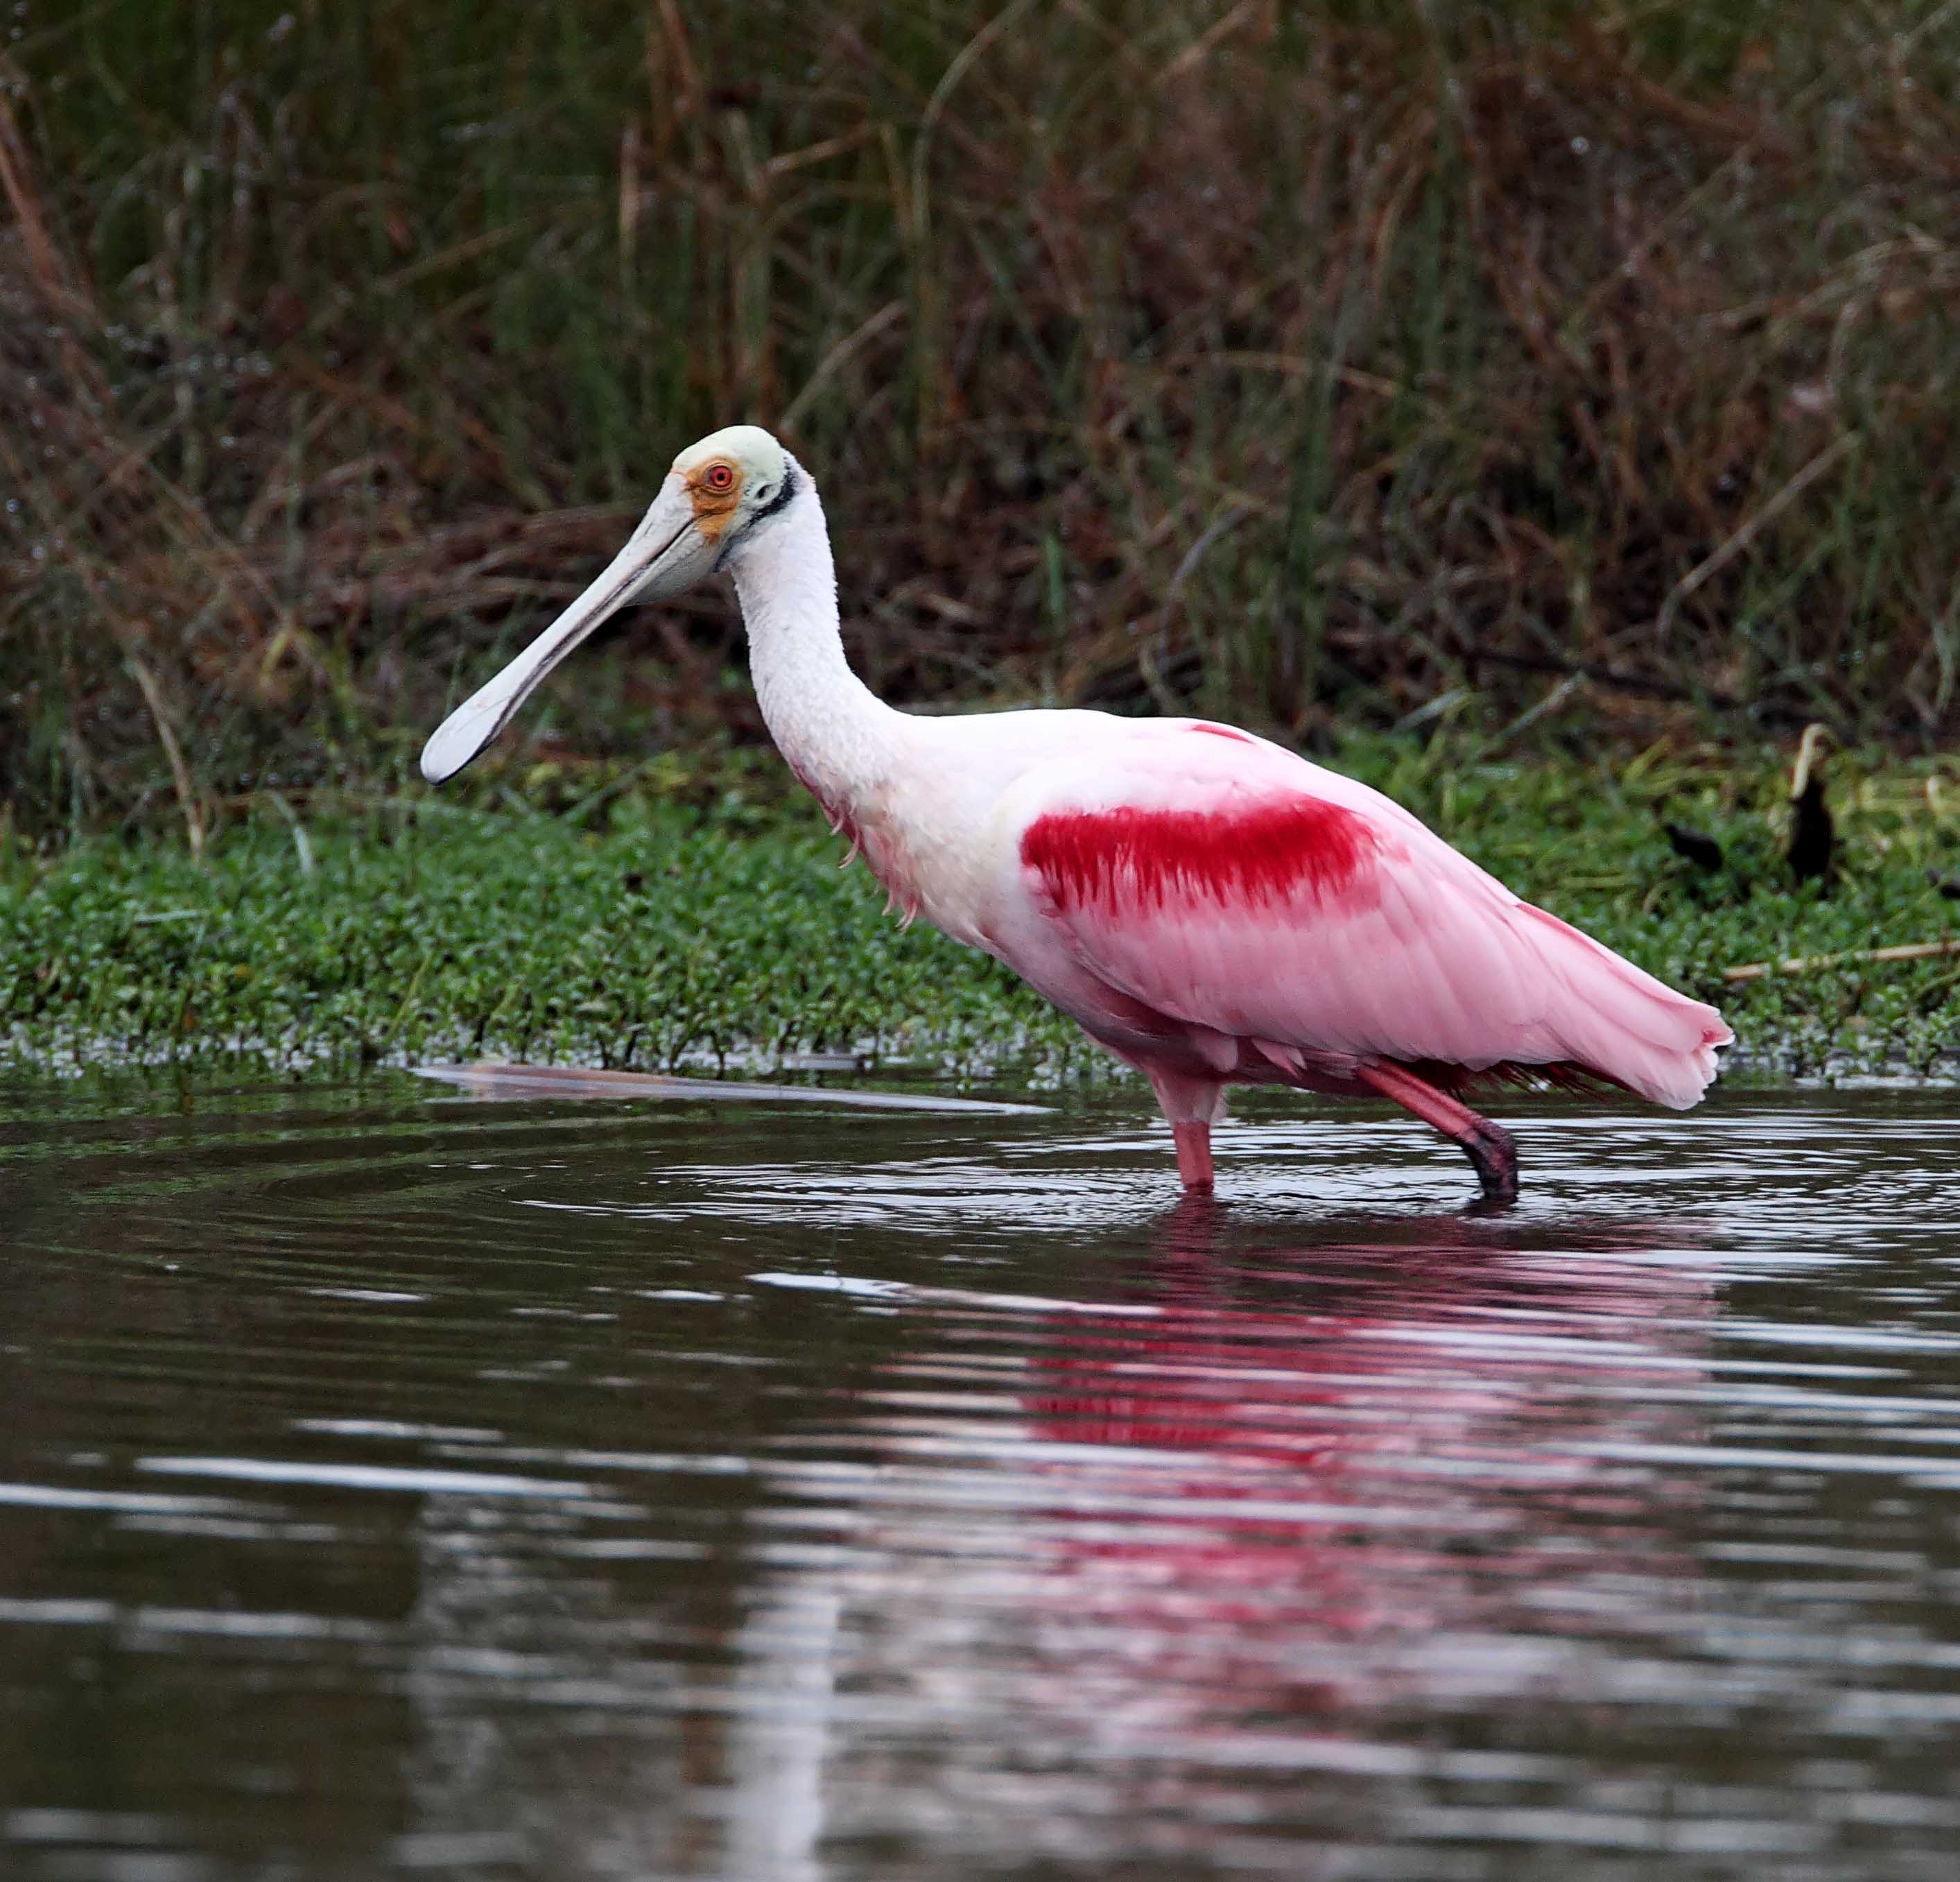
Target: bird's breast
<point>932,864</point>
<point>889,858</point>
<point>868,824</point>
<point>928,827</point>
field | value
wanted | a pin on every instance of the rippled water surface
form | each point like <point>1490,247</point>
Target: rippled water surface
<point>392,1483</point>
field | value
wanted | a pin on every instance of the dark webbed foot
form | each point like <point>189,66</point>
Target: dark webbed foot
<point>1493,1155</point>
<point>1488,1146</point>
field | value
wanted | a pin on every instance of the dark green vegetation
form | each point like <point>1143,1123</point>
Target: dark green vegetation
<point>640,934</point>
<point>1315,363</point>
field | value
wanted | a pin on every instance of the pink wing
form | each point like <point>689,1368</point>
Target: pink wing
<point>1230,885</point>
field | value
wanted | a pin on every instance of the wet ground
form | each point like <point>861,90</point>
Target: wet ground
<point>393,1484</point>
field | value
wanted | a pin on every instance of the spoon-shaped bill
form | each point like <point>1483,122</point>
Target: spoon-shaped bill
<point>665,555</point>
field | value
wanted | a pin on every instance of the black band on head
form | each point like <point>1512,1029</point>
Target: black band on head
<point>782,497</point>
<point>780,501</point>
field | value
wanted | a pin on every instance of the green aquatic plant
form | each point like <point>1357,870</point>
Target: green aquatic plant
<point>640,934</point>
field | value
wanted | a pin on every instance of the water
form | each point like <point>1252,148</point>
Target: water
<point>400,1484</point>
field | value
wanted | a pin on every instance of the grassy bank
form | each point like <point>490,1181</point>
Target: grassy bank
<point>1311,363</point>
<point>638,934</point>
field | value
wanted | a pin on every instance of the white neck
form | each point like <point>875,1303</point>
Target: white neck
<point>838,738</point>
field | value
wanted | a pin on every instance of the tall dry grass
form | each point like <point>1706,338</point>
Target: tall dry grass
<point>1553,370</point>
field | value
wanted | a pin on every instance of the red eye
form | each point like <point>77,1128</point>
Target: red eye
<point>720,477</point>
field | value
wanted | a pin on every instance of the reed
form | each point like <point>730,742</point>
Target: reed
<point>1562,373</point>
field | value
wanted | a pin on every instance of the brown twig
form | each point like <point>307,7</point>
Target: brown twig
<point>1858,957</point>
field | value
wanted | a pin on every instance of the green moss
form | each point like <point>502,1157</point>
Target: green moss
<point>729,936</point>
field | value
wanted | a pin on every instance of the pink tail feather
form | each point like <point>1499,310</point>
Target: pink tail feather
<point>1615,1019</point>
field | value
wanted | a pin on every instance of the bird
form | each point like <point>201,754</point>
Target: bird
<point>1812,845</point>
<point>1212,908</point>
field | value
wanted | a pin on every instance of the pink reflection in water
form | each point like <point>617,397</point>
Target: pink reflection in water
<point>1294,1481</point>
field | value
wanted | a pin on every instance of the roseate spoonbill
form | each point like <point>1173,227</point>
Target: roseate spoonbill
<point>1211,909</point>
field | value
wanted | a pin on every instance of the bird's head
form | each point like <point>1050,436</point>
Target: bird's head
<point>719,493</point>
<point>1808,769</point>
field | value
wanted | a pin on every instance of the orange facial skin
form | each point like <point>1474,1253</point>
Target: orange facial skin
<point>714,489</point>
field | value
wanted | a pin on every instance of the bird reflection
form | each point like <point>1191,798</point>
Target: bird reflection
<point>1263,1501</point>
<point>1059,1565</point>
<point>1369,1438</point>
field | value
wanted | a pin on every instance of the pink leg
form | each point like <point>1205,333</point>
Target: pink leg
<point>1488,1146</point>
<point>1194,1156</point>
<point>1192,1107</point>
